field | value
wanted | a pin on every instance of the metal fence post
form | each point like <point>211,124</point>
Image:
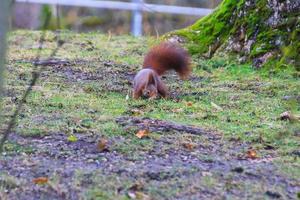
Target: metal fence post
<point>137,18</point>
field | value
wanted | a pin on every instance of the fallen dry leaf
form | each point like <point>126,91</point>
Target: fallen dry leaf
<point>189,103</point>
<point>40,180</point>
<point>251,154</point>
<point>189,146</point>
<point>102,145</point>
<point>142,133</point>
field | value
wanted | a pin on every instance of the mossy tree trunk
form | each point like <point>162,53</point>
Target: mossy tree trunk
<point>265,32</point>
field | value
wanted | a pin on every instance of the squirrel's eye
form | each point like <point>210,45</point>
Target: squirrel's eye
<point>146,93</point>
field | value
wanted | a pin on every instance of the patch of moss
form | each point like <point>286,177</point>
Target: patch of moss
<point>290,53</point>
<point>211,29</point>
<point>267,41</point>
<point>241,21</point>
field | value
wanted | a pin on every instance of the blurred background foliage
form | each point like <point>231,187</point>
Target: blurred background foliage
<point>117,22</point>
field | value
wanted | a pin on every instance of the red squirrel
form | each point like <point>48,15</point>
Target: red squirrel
<point>161,58</point>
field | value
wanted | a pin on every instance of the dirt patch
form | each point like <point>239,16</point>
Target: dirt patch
<point>212,168</point>
<point>160,125</point>
<point>106,74</point>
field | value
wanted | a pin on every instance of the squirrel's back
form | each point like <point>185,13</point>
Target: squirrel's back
<point>168,56</point>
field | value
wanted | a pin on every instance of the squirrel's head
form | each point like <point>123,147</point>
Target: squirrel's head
<point>150,92</point>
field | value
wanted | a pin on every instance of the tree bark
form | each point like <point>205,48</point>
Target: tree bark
<point>265,32</point>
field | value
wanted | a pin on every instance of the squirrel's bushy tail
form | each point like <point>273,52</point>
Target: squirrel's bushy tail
<point>168,56</point>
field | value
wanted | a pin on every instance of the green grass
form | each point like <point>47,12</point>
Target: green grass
<point>237,101</point>
<point>249,102</point>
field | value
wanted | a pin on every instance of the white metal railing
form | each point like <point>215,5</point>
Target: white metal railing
<point>137,6</point>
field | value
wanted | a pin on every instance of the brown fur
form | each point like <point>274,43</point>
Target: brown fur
<point>168,56</point>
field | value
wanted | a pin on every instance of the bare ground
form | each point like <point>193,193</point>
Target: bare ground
<point>210,168</point>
